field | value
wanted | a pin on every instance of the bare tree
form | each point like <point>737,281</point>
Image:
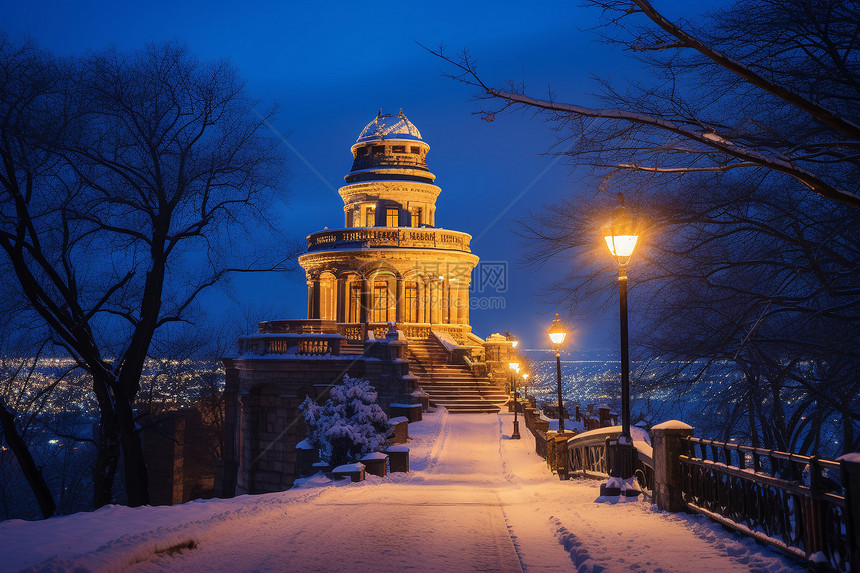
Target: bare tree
<point>765,85</point>
<point>132,183</point>
<point>747,120</point>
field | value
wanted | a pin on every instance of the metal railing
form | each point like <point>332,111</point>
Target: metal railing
<point>783,499</point>
<point>591,458</point>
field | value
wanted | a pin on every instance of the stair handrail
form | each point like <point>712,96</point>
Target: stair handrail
<point>438,341</point>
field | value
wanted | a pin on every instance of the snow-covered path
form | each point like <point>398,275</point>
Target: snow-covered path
<point>474,500</point>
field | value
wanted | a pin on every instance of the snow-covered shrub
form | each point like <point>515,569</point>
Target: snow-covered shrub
<point>348,425</point>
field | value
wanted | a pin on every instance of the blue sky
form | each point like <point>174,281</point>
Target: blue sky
<point>331,65</point>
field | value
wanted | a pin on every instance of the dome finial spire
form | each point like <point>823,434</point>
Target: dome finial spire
<point>401,112</point>
<point>380,113</point>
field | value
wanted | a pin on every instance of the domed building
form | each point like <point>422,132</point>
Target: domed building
<point>388,301</point>
<point>391,262</point>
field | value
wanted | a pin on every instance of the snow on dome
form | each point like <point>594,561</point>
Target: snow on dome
<point>389,127</point>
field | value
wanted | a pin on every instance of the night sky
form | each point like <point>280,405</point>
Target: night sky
<point>330,66</point>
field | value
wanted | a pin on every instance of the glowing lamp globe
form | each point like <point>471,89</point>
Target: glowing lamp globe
<point>515,366</point>
<point>557,332</point>
<point>620,235</point>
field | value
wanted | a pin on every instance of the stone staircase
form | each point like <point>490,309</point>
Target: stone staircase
<point>452,385</point>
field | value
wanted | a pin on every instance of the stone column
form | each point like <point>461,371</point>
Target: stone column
<point>424,315</point>
<point>365,300</point>
<point>667,439</point>
<point>317,297</point>
<point>340,300</point>
<point>310,299</point>
<point>399,302</point>
<point>451,301</point>
<point>434,301</point>
<point>463,301</point>
<point>459,301</point>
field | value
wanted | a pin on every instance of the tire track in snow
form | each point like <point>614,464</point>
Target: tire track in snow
<point>510,477</point>
<point>513,536</point>
<point>439,444</point>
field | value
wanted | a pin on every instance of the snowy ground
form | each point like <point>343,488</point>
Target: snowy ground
<point>474,500</point>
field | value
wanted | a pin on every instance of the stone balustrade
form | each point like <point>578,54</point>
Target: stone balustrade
<point>290,344</point>
<point>364,237</point>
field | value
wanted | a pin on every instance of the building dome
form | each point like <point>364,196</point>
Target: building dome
<point>389,126</point>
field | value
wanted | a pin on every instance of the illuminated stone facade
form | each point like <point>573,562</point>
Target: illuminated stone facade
<point>390,263</point>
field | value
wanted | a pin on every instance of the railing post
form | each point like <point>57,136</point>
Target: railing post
<point>812,510</point>
<point>550,449</point>
<point>561,455</point>
<point>667,439</point>
<point>850,467</point>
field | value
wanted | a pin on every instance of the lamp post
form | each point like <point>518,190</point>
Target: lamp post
<point>557,334</point>
<point>621,237</point>
<point>525,388</point>
<point>515,369</point>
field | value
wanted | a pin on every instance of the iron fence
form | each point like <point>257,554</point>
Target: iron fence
<point>793,502</point>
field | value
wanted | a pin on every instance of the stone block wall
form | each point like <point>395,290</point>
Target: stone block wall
<point>181,456</point>
<point>263,423</point>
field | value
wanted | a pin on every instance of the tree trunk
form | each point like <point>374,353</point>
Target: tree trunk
<point>105,464</point>
<point>136,478</point>
<point>25,460</point>
<point>107,443</point>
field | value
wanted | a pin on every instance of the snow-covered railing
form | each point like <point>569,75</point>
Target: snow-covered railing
<point>588,454</point>
<point>800,504</point>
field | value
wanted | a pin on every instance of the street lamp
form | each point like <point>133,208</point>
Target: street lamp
<point>515,369</point>
<point>557,334</point>
<point>621,236</point>
<point>525,387</point>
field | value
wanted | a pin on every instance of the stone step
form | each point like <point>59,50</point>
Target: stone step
<point>469,403</point>
<point>451,377</point>
<point>452,385</point>
<point>438,386</point>
<point>470,393</point>
<point>351,348</point>
<point>471,409</point>
<point>467,383</point>
<point>445,381</point>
